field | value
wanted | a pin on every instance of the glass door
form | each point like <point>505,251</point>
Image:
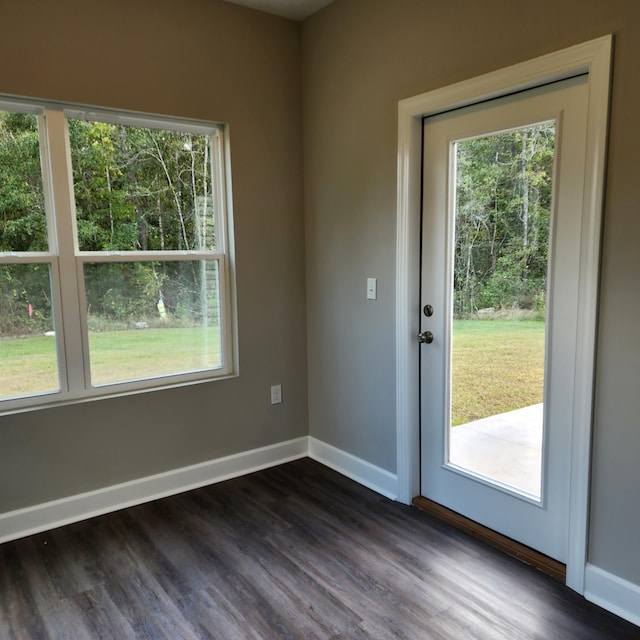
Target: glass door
<point>503,200</point>
<point>500,265</point>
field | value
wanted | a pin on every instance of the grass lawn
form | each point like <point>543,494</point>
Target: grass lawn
<point>498,366</point>
<point>29,364</point>
<point>127,355</point>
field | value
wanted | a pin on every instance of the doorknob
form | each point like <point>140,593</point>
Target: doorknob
<point>426,337</point>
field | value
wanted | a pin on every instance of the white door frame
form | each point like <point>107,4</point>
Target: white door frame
<point>594,58</point>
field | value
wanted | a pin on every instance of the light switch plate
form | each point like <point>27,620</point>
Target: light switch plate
<point>372,288</point>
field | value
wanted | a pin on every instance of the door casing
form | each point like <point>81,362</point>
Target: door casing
<point>593,58</point>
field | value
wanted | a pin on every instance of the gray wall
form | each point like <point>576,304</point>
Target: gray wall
<point>200,59</point>
<point>360,57</point>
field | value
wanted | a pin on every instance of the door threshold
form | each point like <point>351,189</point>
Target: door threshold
<point>515,549</point>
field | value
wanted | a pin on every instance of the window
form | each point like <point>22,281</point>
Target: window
<point>114,264</point>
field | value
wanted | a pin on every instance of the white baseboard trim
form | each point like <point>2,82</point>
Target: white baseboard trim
<point>57,513</point>
<point>363,472</point>
<point>612,593</point>
<point>49,515</point>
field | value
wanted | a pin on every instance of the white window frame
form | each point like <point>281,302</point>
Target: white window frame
<point>67,261</point>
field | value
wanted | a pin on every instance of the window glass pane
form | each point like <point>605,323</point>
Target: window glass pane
<point>149,319</point>
<point>503,209</point>
<point>27,338</point>
<point>23,223</point>
<point>141,189</point>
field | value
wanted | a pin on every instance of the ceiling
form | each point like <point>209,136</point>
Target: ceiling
<point>293,9</point>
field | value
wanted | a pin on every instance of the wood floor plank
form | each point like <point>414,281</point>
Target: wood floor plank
<point>104,619</point>
<point>377,571</point>
<point>297,551</point>
<point>19,608</point>
<point>279,592</point>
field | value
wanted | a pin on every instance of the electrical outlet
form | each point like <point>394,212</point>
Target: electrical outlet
<point>276,394</point>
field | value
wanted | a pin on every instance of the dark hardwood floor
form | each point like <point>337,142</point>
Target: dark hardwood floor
<point>297,551</point>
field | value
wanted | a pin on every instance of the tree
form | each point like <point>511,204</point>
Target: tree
<point>22,213</point>
<point>141,189</point>
<point>503,204</point>
<point>25,304</point>
<point>135,188</point>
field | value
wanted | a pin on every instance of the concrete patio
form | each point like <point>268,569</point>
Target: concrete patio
<point>506,447</point>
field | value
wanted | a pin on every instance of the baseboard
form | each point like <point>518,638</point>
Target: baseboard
<point>56,513</point>
<point>49,515</point>
<point>361,471</point>
<point>612,593</point>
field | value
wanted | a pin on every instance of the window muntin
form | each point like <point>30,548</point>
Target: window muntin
<point>135,259</point>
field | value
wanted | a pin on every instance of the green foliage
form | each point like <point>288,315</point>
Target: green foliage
<point>503,204</point>
<point>135,188</point>
<point>141,189</point>
<point>24,289</point>
<point>22,214</point>
<point>121,291</point>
